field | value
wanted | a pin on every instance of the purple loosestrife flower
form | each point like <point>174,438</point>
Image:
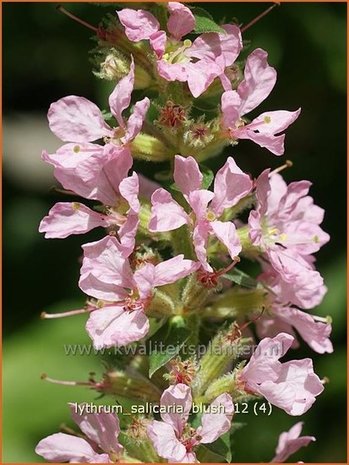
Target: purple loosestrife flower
<point>100,446</point>
<point>285,225</point>
<point>231,184</point>
<point>174,439</point>
<point>291,386</point>
<point>106,274</point>
<point>290,442</point>
<point>259,80</point>
<point>197,63</point>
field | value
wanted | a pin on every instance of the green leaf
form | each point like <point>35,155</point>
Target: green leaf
<point>217,450</point>
<point>208,176</point>
<point>167,343</point>
<point>198,11</point>
<point>205,24</point>
<point>241,278</point>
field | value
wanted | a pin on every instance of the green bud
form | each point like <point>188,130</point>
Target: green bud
<point>162,304</point>
<point>194,294</point>
<point>221,352</point>
<point>130,385</point>
<point>150,148</point>
<point>237,301</point>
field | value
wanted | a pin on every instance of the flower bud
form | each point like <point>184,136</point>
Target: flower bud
<point>238,301</point>
<point>129,385</point>
<point>137,442</point>
<point>221,352</point>
<point>150,148</point>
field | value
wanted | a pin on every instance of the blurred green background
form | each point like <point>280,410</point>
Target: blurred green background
<point>45,57</point>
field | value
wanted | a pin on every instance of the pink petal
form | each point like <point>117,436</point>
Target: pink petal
<point>103,261</point>
<point>172,71</point>
<point>90,170</point>
<point>275,144</point>
<point>129,188</point>
<point>230,108</point>
<point>61,447</point>
<point>290,442</point>
<point>102,428</point>
<point>187,174</point>
<point>211,46</point>
<point>200,76</point>
<point>120,98</point>
<point>112,170</point>
<point>166,214</point>
<point>138,24</point>
<point>264,364</point>
<point>75,166</point>
<point>259,80</point>
<point>291,386</point>
<point>172,270</point>
<point>199,200</point>
<point>296,388</point>
<point>178,395</point>
<point>115,326</point>
<point>181,20</point>
<point>96,287</point>
<point>200,237</point>
<point>145,280</point>
<point>158,43</point>
<point>66,218</point>
<point>231,185</point>
<point>274,122</point>
<point>315,333</point>
<point>127,233</point>
<point>76,119</point>
<point>226,233</point>
<point>136,120</point>
<point>149,276</point>
<point>164,439</point>
<point>218,422</point>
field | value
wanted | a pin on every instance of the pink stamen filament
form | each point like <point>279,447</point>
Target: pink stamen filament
<point>287,164</point>
<point>75,18</point>
<point>65,383</point>
<point>46,316</point>
<point>260,16</point>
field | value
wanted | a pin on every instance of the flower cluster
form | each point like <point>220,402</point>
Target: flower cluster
<point>169,255</point>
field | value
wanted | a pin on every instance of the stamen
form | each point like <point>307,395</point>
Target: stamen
<point>257,18</point>
<point>46,316</point>
<point>64,383</point>
<point>287,164</point>
<point>64,191</point>
<point>75,18</point>
<point>229,267</point>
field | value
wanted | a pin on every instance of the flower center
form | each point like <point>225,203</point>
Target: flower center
<point>175,54</point>
<point>210,215</point>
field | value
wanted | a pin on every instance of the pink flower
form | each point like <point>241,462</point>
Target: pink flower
<point>291,386</point>
<point>282,317</point>
<point>100,176</point>
<point>76,119</point>
<point>173,438</point>
<point>259,80</point>
<point>106,274</point>
<point>230,185</point>
<point>285,225</point>
<point>101,431</point>
<point>290,442</point>
<point>197,63</point>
